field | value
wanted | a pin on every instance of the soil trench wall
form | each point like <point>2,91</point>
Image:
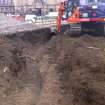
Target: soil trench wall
<point>41,34</point>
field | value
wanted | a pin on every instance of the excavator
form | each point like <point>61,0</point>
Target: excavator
<point>82,16</point>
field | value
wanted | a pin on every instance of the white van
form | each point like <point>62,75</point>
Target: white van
<point>30,18</point>
<point>52,15</point>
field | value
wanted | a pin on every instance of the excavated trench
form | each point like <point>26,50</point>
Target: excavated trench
<point>20,78</point>
<point>39,69</point>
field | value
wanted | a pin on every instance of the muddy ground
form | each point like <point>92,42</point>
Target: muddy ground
<point>57,71</point>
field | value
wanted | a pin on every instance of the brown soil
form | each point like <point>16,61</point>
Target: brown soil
<point>62,71</point>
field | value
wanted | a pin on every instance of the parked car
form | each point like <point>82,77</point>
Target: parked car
<point>30,18</point>
<point>51,15</point>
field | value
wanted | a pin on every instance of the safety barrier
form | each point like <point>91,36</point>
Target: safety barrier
<point>45,22</point>
<point>39,21</point>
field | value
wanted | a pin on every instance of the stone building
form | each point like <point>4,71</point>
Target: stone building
<point>52,5</point>
<point>23,5</point>
<point>6,6</point>
<point>26,6</point>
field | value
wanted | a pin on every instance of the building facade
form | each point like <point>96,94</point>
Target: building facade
<point>52,5</point>
<point>23,5</point>
<point>6,6</point>
<point>26,6</point>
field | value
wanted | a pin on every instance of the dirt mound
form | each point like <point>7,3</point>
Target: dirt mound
<point>61,71</point>
<point>77,77</point>
<point>20,80</point>
<point>81,63</point>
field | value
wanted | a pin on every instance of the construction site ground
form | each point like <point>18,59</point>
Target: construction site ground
<point>57,70</point>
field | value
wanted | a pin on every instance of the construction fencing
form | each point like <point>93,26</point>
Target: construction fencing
<point>45,22</point>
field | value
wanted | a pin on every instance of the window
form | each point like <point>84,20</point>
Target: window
<point>84,2</point>
<point>103,1</point>
<point>90,1</point>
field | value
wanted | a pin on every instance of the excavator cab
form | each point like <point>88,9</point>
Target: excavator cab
<point>83,16</point>
<point>89,7</point>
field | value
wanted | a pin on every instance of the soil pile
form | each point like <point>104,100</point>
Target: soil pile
<point>20,80</point>
<point>61,71</point>
<point>77,76</point>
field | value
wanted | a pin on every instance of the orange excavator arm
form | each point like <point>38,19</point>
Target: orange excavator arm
<point>59,18</point>
<point>75,15</point>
